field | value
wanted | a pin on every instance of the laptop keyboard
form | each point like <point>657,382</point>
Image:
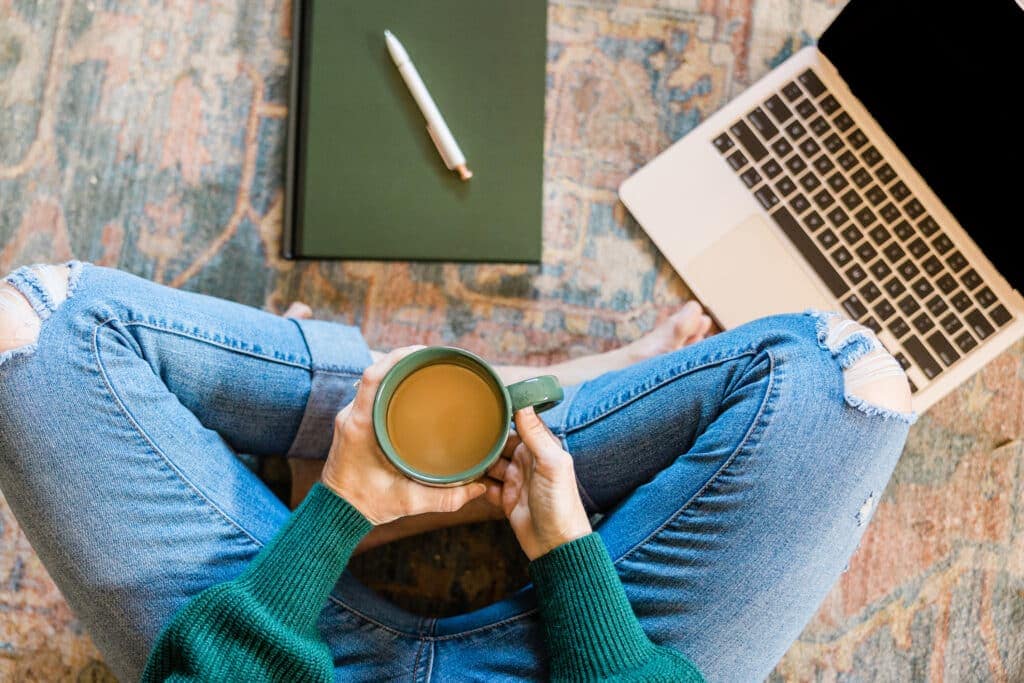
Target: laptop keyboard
<point>844,208</point>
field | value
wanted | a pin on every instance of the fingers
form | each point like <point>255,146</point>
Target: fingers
<point>538,438</point>
<point>373,375</point>
<point>447,500</point>
<point>497,470</point>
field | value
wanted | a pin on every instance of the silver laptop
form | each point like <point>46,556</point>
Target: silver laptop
<point>878,173</point>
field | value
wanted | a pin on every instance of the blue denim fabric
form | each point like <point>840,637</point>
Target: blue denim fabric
<point>734,477</point>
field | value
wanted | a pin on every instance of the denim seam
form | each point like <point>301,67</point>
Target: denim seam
<point>326,368</point>
<point>721,470</point>
<point>156,449</point>
<point>348,608</point>
<point>430,663</point>
<point>416,660</point>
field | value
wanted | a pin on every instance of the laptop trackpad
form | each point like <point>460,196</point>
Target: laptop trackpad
<point>750,273</point>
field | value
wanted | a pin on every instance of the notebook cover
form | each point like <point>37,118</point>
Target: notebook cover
<point>364,179</point>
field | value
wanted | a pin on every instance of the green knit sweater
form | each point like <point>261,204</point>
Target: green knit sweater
<point>261,626</point>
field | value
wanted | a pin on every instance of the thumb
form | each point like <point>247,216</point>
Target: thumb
<point>536,435</point>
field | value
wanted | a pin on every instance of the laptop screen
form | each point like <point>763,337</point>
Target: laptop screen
<point>944,81</point>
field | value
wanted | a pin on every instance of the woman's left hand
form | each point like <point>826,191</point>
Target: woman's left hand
<point>358,471</point>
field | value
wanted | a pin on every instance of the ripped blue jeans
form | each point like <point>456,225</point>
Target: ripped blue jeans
<point>734,477</point>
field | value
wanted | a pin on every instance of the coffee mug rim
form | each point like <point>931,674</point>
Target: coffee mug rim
<point>380,417</point>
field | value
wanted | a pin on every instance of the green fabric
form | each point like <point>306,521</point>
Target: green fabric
<point>590,629</point>
<point>262,625</point>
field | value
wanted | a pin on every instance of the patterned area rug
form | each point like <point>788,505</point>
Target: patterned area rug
<point>149,136</point>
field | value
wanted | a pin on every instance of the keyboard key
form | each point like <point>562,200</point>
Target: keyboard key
<point>899,191</point>
<point>792,91</point>
<point>907,269</point>
<point>865,217</point>
<point>879,235</point>
<point>833,143</point>
<point>861,177</point>
<point>837,181</point>
<point>977,321</point>
<point>843,121</point>
<point>799,203</point>
<point>870,291</point>
<point>932,266</point>
<point>893,252</point>
<point>913,208</point>
<point>922,287</point>
<point>936,305</point>
<point>956,261</point>
<point>866,252</point>
<point>961,301</point>
<point>737,160</point>
<point>855,274</point>
<point>847,160</point>
<point>805,108</point>
<point>824,199</point>
<point>903,230</point>
<point>809,181</point>
<point>918,247</point>
<point>928,226</point>
<point>778,109</point>
<point>942,243</point>
<point>894,287</point>
<point>819,126</point>
<point>885,174</point>
<point>943,349</point>
<point>829,104</point>
<point>795,164</point>
<point>785,186</point>
<point>946,283</point>
<point>902,360</point>
<point>951,323</point>
<point>810,252</point>
<point>851,199</point>
<point>889,212</point>
<point>966,342</point>
<point>929,366</point>
<point>971,279</point>
<point>837,217</point>
<point>841,256</point>
<point>854,307</point>
<point>781,147</point>
<point>762,123</point>
<point>811,83</point>
<point>884,309</point>
<point>809,147</point>
<point>871,156</point>
<point>908,305</point>
<point>872,324</point>
<point>750,177</point>
<point>875,195</point>
<point>985,297</point>
<point>723,143</point>
<point>852,234</point>
<point>771,169</point>
<point>923,323</point>
<point>795,130</point>
<point>857,139</point>
<point>899,327</point>
<point>741,131</point>
<point>828,239</point>
<point>1000,315</point>
<point>813,221</point>
<point>880,269</point>
<point>767,198</point>
<point>823,164</point>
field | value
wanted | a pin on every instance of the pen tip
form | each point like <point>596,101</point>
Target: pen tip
<point>387,33</point>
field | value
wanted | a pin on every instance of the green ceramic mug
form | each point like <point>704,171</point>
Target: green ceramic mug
<point>542,393</point>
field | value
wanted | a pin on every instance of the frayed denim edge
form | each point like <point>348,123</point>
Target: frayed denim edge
<point>26,350</point>
<point>75,269</point>
<point>28,285</point>
<point>854,347</point>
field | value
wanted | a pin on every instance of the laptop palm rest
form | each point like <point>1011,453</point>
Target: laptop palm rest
<point>748,273</point>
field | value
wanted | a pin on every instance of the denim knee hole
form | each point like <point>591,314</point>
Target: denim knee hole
<point>27,298</point>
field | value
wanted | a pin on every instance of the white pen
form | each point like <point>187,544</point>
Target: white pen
<point>453,157</point>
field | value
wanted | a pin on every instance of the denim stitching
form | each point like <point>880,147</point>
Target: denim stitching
<point>302,363</point>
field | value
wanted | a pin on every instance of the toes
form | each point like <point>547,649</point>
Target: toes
<point>686,323</point>
<point>703,329</point>
<point>299,310</point>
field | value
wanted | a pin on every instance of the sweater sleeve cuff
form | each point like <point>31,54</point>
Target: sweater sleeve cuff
<point>294,574</point>
<point>588,621</point>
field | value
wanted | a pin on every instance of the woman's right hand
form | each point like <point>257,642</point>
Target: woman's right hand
<point>536,488</point>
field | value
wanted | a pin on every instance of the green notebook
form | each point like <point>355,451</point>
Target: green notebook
<point>364,179</point>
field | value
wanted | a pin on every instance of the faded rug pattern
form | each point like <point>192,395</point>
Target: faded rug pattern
<point>149,136</point>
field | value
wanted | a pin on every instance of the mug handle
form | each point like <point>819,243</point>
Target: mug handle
<point>542,393</point>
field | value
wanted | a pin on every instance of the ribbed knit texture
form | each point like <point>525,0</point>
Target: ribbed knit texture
<point>591,631</point>
<point>262,625</point>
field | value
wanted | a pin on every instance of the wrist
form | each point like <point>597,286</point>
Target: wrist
<point>349,494</point>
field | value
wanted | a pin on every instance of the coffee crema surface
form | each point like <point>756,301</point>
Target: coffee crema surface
<point>445,418</point>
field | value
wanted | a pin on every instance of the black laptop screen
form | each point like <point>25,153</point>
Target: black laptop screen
<point>945,81</point>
